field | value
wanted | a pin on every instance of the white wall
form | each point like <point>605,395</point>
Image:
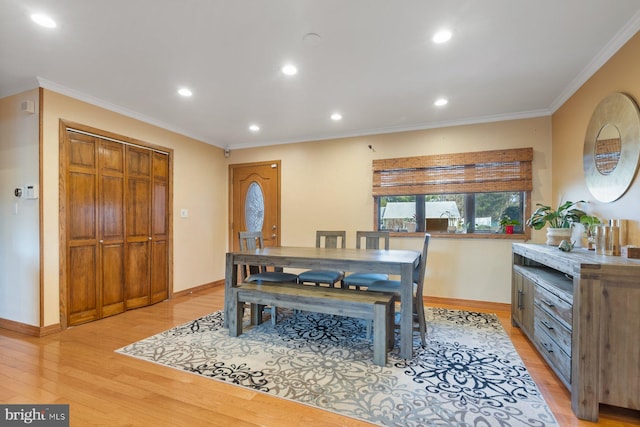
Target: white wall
<point>19,217</point>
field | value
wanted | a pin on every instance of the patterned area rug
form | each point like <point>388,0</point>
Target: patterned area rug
<point>469,374</point>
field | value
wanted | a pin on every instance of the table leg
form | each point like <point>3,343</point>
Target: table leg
<point>230,280</point>
<point>406,312</point>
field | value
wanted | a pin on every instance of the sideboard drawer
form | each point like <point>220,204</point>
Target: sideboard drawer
<point>555,305</point>
<point>558,359</point>
<point>555,329</point>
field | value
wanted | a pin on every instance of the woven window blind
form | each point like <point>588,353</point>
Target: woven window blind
<point>476,172</point>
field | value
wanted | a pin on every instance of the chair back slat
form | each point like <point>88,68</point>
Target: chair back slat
<point>418,274</point>
<point>332,239</point>
<point>372,239</point>
<point>250,241</point>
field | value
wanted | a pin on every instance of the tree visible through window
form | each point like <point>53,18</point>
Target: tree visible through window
<point>454,193</point>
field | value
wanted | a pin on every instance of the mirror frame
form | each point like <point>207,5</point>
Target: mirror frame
<point>621,111</point>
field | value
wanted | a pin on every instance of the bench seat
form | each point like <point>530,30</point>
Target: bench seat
<point>376,306</point>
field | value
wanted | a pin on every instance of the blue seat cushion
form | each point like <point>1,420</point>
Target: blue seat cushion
<point>389,286</point>
<point>273,276</point>
<point>363,279</point>
<point>321,276</point>
<point>385,286</point>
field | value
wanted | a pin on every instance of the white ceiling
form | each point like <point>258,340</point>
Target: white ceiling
<point>374,61</point>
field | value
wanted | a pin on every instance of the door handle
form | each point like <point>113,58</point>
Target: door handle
<point>273,236</point>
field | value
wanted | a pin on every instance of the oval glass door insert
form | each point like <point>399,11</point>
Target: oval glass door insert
<point>254,207</point>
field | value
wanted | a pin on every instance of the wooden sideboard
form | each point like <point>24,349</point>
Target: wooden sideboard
<point>582,313</point>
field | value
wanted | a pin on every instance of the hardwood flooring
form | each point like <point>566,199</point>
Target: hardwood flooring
<point>79,367</point>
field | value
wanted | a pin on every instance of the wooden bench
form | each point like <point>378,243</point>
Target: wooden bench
<point>375,306</point>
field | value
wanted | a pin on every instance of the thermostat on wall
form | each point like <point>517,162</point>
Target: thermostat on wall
<point>32,192</point>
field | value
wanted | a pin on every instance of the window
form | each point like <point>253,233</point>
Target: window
<point>464,193</point>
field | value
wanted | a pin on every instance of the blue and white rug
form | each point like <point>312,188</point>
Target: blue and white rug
<point>469,374</point>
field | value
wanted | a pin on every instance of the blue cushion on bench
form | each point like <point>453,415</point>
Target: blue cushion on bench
<point>363,279</point>
<point>321,276</point>
<point>273,276</point>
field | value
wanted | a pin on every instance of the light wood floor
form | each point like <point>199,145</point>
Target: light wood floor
<point>78,366</point>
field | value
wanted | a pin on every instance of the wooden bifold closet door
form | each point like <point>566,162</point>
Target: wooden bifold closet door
<point>117,239</point>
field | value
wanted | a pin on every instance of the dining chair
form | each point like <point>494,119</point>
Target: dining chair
<point>325,239</point>
<point>372,240</point>
<point>418,285</point>
<point>251,240</point>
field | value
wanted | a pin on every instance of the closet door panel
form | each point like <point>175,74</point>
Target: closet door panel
<point>159,272</point>
<point>82,207</point>
<point>138,209</point>
<point>160,229</point>
<point>112,279</point>
<point>81,222</point>
<point>138,226</point>
<point>137,273</point>
<point>112,220</point>
<point>83,301</point>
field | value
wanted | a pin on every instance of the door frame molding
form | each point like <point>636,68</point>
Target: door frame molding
<point>232,167</point>
<point>65,125</point>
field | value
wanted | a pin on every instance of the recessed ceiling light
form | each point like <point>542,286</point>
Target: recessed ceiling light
<point>441,36</point>
<point>336,117</point>
<point>185,92</point>
<point>43,20</point>
<point>254,128</point>
<point>290,70</point>
<point>440,102</point>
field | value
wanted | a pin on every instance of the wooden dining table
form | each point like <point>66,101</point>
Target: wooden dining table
<point>393,262</point>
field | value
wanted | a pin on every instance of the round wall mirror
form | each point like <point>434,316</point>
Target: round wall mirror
<point>612,147</point>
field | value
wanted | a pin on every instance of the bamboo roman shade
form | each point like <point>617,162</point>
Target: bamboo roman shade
<point>476,172</point>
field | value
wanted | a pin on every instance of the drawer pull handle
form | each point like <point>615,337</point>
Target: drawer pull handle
<point>547,303</point>
<point>547,325</point>
<point>520,294</point>
<point>547,347</point>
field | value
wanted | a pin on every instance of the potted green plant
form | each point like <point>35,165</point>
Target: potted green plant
<point>589,223</point>
<point>507,224</point>
<point>559,221</point>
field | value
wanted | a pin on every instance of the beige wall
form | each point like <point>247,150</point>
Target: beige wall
<point>200,185</point>
<point>619,74</point>
<point>19,217</point>
<point>327,185</point>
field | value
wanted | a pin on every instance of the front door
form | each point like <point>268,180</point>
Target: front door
<point>255,201</point>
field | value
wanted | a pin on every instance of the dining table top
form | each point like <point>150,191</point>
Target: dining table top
<point>284,256</point>
<point>380,255</point>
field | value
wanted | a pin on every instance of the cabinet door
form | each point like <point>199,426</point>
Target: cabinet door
<point>528,298</point>
<point>516,297</point>
<point>522,298</point>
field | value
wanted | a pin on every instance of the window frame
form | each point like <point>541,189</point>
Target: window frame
<point>465,173</point>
